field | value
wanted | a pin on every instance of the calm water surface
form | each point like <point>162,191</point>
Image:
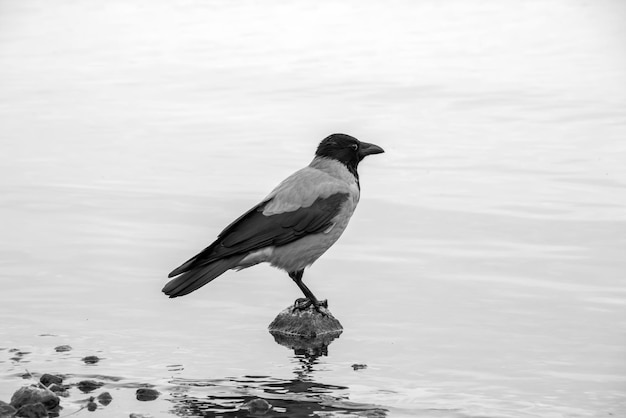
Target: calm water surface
<point>482,274</point>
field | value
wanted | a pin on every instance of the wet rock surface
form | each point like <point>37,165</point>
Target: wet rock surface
<point>307,331</point>
<point>87,386</point>
<point>6,410</point>
<point>104,398</point>
<point>147,394</point>
<point>306,323</point>
<point>60,390</point>
<point>32,410</point>
<point>92,406</point>
<point>37,401</point>
<point>33,395</point>
<point>50,379</point>
<point>90,359</point>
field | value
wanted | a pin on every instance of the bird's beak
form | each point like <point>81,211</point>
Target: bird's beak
<point>369,149</point>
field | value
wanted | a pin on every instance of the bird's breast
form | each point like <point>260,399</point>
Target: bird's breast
<point>306,250</point>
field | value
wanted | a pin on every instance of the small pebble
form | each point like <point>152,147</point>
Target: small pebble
<point>92,406</point>
<point>105,398</point>
<point>90,359</point>
<point>134,415</point>
<point>147,394</point>
<point>18,354</point>
<point>359,366</point>
<point>62,348</point>
<point>49,379</point>
<point>87,386</point>
<point>59,390</point>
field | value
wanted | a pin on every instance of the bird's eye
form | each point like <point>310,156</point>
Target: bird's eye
<point>355,146</point>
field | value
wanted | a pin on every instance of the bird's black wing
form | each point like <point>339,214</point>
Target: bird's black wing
<point>254,230</point>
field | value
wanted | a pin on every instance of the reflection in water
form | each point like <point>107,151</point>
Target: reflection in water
<point>307,347</point>
<point>298,397</point>
<point>294,398</point>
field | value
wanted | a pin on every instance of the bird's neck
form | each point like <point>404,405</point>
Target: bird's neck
<point>336,169</point>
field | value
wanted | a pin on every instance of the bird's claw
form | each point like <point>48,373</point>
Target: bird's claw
<point>302,304</point>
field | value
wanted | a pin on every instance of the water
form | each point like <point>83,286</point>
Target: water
<point>481,276</point>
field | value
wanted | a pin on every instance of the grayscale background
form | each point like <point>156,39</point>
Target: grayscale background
<point>482,275</point>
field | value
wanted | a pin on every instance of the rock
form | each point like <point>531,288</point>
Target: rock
<point>134,415</point>
<point>6,410</point>
<point>62,348</point>
<point>18,354</point>
<point>105,398</point>
<point>147,394</point>
<point>87,386</point>
<point>32,395</point>
<point>306,323</point>
<point>359,366</point>
<point>91,359</point>
<point>257,406</point>
<point>60,390</point>
<point>49,379</point>
<point>92,406</point>
<point>32,410</point>
<point>306,331</point>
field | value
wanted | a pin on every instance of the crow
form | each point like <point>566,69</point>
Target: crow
<point>292,227</point>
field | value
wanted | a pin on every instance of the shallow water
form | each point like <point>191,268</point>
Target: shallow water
<point>482,274</point>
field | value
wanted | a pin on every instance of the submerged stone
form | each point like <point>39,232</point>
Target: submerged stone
<point>105,398</point>
<point>62,348</point>
<point>49,379</point>
<point>87,386</point>
<point>60,390</point>
<point>32,410</point>
<point>90,359</point>
<point>6,410</point>
<point>147,394</point>
<point>32,395</point>
<point>257,406</point>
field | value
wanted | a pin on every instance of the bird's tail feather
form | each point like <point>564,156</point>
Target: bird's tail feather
<point>182,268</point>
<point>198,277</point>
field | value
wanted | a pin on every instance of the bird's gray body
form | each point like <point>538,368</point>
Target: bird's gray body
<point>321,179</point>
<point>292,227</point>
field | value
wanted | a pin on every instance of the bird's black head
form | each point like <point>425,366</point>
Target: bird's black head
<point>347,150</point>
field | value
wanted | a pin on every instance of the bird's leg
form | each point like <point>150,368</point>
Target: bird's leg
<point>310,297</point>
